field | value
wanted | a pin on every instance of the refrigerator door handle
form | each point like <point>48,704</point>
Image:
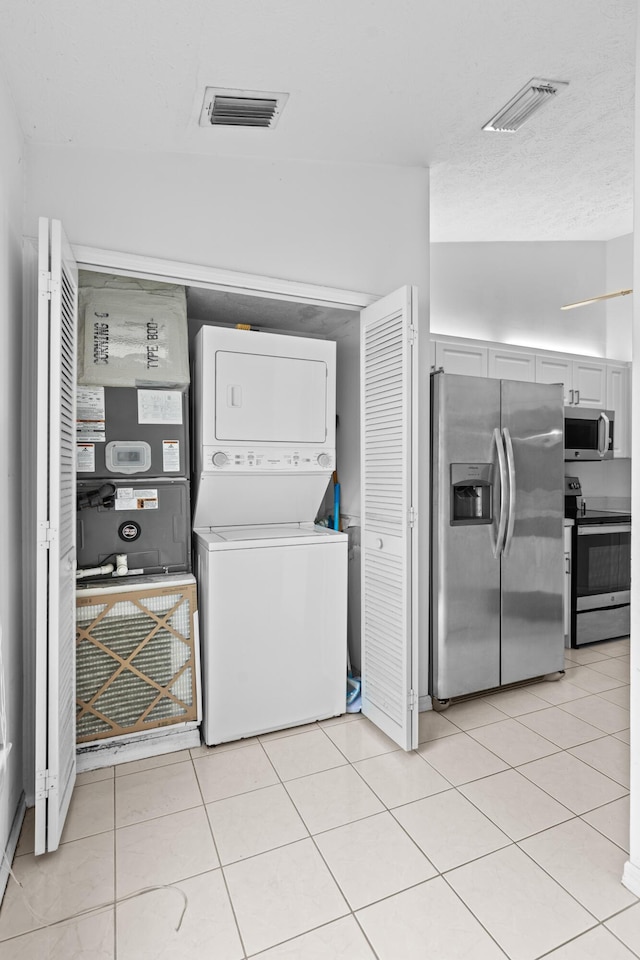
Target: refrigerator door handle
<point>604,433</point>
<point>502,522</point>
<point>512,489</point>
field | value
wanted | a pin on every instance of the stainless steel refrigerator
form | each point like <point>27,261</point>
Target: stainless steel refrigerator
<point>497,555</point>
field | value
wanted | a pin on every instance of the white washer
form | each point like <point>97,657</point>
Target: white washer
<point>273,610</point>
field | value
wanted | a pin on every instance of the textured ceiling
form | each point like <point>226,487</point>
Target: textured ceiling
<point>370,81</point>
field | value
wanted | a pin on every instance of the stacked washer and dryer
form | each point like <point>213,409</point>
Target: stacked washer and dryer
<point>272,584</point>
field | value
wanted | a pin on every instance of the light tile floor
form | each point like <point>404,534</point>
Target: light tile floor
<point>504,835</point>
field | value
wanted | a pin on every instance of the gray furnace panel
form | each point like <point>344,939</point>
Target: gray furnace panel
<point>126,432</point>
<point>148,520</point>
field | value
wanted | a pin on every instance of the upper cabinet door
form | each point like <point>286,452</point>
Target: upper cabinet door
<point>512,365</point>
<point>389,478</point>
<point>619,400</point>
<point>589,383</point>
<point>556,370</point>
<point>55,585</point>
<point>470,360</point>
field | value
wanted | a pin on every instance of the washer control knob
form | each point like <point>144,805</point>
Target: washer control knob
<point>219,459</point>
<point>324,460</point>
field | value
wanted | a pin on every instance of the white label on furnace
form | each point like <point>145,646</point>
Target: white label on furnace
<point>159,406</point>
<point>170,456</point>
<point>86,457</point>
<point>127,498</point>
<point>90,414</point>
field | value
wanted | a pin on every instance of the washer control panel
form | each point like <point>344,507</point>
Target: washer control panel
<point>234,459</point>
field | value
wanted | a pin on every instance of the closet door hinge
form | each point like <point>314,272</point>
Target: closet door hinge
<point>413,335</point>
<point>413,516</point>
<point>46,784</point>
<point>412,702</point>
<point>46,286</point>
<point>46,534</point>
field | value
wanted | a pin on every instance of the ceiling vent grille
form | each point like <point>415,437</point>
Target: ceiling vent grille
<point>533,96</point>
<point>241,108</point>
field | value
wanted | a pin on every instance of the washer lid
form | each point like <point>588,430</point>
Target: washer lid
<point>230,538</point>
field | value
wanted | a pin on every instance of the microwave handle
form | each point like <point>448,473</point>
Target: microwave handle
<point>604,421</point>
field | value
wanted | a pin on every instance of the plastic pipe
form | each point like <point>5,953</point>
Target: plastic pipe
<point>94,571</point>
<point>336,506</point>
<point>122,566</point>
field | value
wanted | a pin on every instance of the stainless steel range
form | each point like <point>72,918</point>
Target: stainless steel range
<point>600,570</point>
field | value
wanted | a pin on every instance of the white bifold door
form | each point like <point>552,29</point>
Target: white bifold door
<point>389,472</point>
<point>56,526</point>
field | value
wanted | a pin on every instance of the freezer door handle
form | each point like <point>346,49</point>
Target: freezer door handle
<point>511,467</point>
<point>604,434</point>
<point>502,522</point>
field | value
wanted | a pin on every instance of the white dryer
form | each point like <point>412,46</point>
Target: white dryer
<point>265,426</point>
<point>273,612</point>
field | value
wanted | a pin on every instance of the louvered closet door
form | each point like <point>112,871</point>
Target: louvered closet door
<point>388,397</point>
<point>56,520</point>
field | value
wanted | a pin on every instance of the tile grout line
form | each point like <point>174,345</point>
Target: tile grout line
<point>222,873</point>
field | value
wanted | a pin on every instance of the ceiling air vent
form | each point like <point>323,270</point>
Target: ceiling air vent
<point>241,108</point>
<point>526,102</point>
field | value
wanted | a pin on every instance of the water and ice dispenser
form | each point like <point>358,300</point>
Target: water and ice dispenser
<point>471,493</point>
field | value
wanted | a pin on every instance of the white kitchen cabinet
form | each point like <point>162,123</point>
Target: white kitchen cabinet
<point>584,380</point>
<point>550,369</point>
<point>470,360</point>
<point>512,365</point>
<point>589,383</point>
<point>619,400</point>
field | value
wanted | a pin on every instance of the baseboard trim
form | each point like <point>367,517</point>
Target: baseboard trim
<point>631,877</point>
<point>101,753</point>
<point>424,703</point>
<point>12,843</point>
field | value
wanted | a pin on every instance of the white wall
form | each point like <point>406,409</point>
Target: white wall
<point>610,478</point>
<point>358,227</point>
<point>512,293</point>
<point>11,211</point>
<point>619,264</point>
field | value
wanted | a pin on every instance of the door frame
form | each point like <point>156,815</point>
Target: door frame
<point>164,271</point>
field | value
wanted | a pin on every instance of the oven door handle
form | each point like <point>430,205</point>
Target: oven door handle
<point>502,522</point>
<point>603,431</point>
<point>511,466</point>
<point>589,529</point>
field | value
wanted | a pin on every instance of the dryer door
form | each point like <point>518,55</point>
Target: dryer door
<point>389,439</point>
<point>267,399</point>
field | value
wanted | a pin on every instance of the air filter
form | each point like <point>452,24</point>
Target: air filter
<point>136,664</point>
<point>533,96</point>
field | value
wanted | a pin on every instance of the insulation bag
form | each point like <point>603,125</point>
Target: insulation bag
<point>132,333</point>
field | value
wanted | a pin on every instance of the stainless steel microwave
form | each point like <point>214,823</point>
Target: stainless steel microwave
<point>588,433</point>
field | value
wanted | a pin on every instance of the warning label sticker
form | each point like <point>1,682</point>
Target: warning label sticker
<point>128,498</point>
<point>86,457</point>
<point>90,414</point>
<point>171,456</point>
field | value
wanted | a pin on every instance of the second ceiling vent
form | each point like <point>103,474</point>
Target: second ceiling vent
<point>241,108</point>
